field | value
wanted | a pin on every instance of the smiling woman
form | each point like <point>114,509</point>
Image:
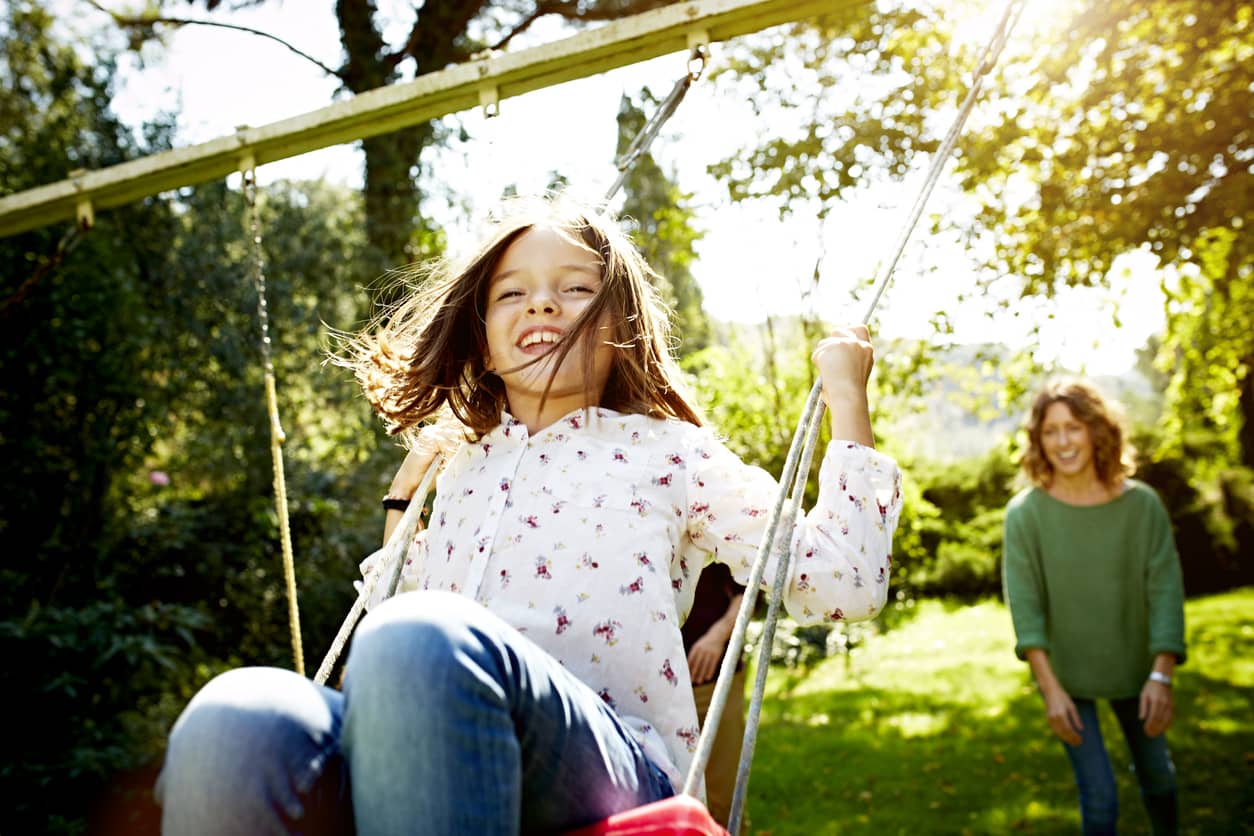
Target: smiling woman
<point>1076,444</point>
<point>1094,587</point>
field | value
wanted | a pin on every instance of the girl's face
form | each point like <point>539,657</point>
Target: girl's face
<point>542,283</point>
<point>1066,442</point>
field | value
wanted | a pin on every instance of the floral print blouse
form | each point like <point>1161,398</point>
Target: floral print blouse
<point>588,538</point>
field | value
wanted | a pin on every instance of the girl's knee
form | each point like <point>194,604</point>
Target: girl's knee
<point>255,707</point>
<point>223,707</point>
<point>418,628</point>
<point>433,643</point>
<point>246,741</point>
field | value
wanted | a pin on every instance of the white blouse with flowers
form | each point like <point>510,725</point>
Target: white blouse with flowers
<point>588,538</point>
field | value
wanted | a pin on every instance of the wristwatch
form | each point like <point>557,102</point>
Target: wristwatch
<point>1159,676</point>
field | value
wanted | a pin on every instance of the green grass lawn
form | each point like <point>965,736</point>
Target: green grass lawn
<point>935,727</point>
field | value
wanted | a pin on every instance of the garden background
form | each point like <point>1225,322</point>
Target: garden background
<point>136,506</point>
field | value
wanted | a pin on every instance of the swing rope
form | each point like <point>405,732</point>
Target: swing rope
<point>277,436</point>
<point>388,566</point>
<point>808,426</point>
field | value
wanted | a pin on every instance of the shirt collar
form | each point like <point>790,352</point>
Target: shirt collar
<point>578,420</point>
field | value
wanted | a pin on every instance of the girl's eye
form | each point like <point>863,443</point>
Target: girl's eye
<point>508,294</point>
<point>581,288</point>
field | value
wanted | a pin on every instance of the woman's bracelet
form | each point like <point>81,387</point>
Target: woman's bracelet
<point>395,503</point>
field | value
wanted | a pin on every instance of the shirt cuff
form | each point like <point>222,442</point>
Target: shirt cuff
<point>881,471</point>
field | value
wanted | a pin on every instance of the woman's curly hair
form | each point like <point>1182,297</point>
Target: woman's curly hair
<point>428,352</point>
<point>1113,457</point>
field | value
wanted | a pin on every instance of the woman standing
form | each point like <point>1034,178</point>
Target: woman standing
<point>1093,583</point>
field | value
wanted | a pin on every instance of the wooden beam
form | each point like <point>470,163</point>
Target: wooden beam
<point>430,96</point>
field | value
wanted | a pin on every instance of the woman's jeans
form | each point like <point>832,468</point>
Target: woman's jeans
<point>450,722</point>
<point>1099,802</point>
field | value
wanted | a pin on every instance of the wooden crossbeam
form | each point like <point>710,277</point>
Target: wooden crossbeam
<point>463,86</point>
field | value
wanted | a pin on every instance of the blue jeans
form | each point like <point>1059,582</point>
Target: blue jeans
<point>450,722</point>
<point>1099,802</point>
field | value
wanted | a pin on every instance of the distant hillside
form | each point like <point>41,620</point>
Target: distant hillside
<point>948,428</point>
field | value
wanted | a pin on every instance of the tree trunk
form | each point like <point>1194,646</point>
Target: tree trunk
<point>392,195</point>
<point>440,36</point>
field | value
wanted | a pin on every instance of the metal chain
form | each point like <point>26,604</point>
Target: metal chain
<point>640,144</point>
<point>277,436</point>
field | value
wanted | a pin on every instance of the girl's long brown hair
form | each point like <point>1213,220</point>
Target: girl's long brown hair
<point>429,351</point>
<point>1112,456</point>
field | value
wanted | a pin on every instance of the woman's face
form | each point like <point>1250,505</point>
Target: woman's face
<point>1066,442</point>
<point>542,283</point>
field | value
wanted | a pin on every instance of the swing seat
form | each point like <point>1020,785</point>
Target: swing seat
<point>680,815</point>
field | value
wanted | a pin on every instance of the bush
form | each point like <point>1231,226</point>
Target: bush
<point>92,686</point>
<point>950,536</point>
<point>1212,512</point>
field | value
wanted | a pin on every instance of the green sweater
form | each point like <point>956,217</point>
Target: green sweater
<point>1097,587</point>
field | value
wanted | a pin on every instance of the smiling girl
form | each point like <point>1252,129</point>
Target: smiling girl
<point>1094,587</point>
<point>532,676</point>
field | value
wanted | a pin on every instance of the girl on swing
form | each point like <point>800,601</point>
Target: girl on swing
<point>532,677</point>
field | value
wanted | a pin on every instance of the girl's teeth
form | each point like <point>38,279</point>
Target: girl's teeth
<point>533,339</point>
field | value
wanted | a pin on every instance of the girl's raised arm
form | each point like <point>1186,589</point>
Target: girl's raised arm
<point>844,361</point>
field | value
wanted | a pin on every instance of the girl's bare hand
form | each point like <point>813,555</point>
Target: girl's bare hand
<point>844,361</point>
<point>432,440</point>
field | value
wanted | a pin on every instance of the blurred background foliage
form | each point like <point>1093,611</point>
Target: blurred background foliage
<point>136,507</point>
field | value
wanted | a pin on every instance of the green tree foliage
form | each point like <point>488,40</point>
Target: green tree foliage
<point>753,391</point>
<point>1111,127</point>
<point>1126,125</point>
<point>846,96</point>
<point>1133,130</point>
<point>84,662</point>
<point>138,501</point>
<point>959,526</point>
<point>1129,126</point>
<point>664,229</point>
<point>1208,352</point>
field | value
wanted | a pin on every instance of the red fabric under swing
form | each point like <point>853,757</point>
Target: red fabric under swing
<point>681,815</point>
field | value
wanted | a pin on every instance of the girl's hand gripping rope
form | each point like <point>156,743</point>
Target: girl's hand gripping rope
<point>844,362</point>
<point>432,440</point>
